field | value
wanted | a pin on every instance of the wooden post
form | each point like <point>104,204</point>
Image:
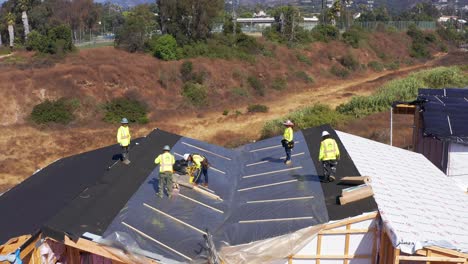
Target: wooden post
<point>382,247</point>
<point>396,256</point>
<point>319,247</point>
<point>429,253</point>
<point>346,250</point>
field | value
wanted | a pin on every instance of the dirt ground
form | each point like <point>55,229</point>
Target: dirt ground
<point>28,148</point>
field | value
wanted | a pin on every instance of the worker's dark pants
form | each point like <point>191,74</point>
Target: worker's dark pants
<point>329,168</point>
<point>198,174</point>
<point>288,153</point>
<point>165,180</point>
<point>124,152</point>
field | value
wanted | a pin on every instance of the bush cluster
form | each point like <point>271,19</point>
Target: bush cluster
<point>420,41</point>
<point>279,84</point>
<point>339,71</point>
<point>349,62</point>
<point>134,110</point>
<point>376,66</point>
<point>195,93</point>
<point>257,108</point>
<point>57,41</point>
<point>325,33</point>
<point>353,37</point>
<point>58,111</point>
<point>257,85</point>
<point>304,77</point>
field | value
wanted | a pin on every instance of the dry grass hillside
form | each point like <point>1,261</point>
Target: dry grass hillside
<point>96,76</point>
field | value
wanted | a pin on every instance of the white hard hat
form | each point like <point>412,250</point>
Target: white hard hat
<point>288,123</point>
<point>325,133</point>
<point>186,156</point>
<point>167,148</point>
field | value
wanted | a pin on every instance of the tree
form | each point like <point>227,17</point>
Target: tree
<point>11,31</point>
<point>165,48</point>
<point>287,20</point>
<point>188,20</point>
<point>421,12</point>
<point>24,5</point>
<point>138,27</point>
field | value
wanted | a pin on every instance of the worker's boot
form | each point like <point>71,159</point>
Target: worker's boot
<point>331,178</point>
<point>126,161</point>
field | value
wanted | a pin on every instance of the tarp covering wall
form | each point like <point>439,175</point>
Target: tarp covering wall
<point>419,205</point>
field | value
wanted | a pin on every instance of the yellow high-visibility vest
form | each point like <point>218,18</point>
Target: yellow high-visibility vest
<point>329,150</point>
<point>166,162</point>
<point>197,159</point>
<point>288,134</point>
<point>123,136</point>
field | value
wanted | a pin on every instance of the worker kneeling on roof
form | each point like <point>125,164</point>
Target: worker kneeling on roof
<point>166,168</point>
<point>329,156</point>
<point>201,165</point>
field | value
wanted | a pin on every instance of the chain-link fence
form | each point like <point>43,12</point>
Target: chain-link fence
<point>397,25</point>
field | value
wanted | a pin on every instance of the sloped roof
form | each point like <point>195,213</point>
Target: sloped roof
<point>445,113</point>
<point>247,179</point>
<point>420,205</point>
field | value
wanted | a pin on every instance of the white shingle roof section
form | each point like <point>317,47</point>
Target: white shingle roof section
<point>418,203</point>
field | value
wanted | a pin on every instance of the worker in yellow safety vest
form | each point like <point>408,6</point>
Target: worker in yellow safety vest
<point>201,165</point>
<point>288,140</point>
<point>329,156</point>
<point>166,169</point>
<point>123,138</point>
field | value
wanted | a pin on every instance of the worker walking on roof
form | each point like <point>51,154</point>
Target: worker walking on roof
<point>201,165</point>
<point>123,138</point>
<point>288,140</point>
<point>329,156</point>
<point>166,169</point>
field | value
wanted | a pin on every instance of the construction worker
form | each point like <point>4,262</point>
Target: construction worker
<point>123,138</point>
<point>166,169</point>
<point>201,165</point>
<point>287,140</point>
<point>329,156</point>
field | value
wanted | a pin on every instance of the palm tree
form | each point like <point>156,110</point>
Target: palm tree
<point>11,31</point>
<point>24,4</point>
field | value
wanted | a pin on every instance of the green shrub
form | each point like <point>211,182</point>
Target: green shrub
<point>225,112</point>
<point>279,84</point>
<point>131,109</point>
<point>304,77</point>
<point>59,111</point>
<point>311,116</point>
<point>240,92</point>
<point>303,58</point>
<point>195,93</point>
<point>37,42</point>
<point>257,108</point>
<point>350,62</point>
<point>376,66</point>
<point>403,90</point>
<point>165,48</point>
<point>353,37</point>
<point>186,70</point>
<point>419,43</point>
<point>325,33</point>
<point>61,36</point>
<point>393,65</point>
<point>339,71</point>
<point>257,85</point>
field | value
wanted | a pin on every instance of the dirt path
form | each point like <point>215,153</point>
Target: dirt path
<point>30,148</point>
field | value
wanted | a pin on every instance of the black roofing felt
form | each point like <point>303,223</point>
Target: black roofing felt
<point>27,206</point>
<point>94,209</point>
<point>345,167</point>
<point>445,113</point>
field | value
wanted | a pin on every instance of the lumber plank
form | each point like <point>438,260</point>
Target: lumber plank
<point>355,180</point>
<point>434,259</point>
<point>318,257</point>
<point>351,220</point>
<point>346,231</point>
<point>356,195</point>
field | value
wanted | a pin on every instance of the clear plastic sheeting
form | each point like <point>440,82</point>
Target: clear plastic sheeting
<point>261,198</point>
<point>272,250</point>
